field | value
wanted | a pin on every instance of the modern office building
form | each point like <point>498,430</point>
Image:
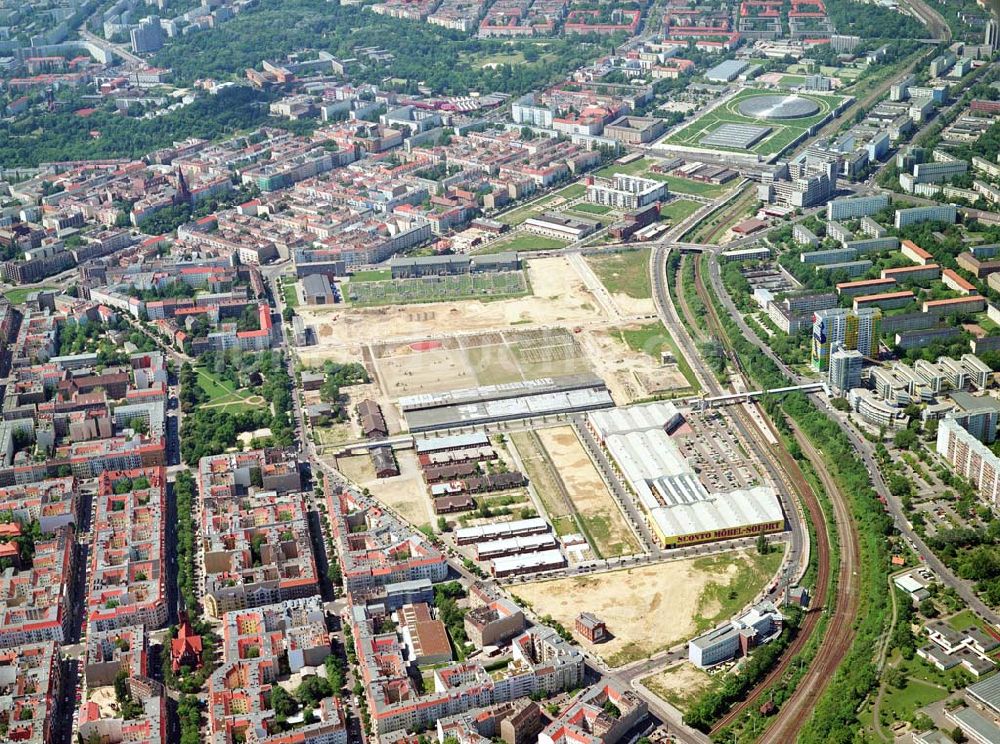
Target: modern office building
<point>849,329</point>
<point>622,191</point>
<point>759,624</point>
<point>845,369</point>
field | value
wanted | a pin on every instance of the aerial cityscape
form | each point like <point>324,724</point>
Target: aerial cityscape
<point>469,371</point>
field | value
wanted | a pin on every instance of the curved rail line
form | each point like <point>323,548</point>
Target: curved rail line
<point>839,635</point>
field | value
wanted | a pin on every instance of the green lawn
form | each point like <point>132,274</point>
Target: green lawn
<point>902,703</point>
<point>677,209</point>
<point>590,208</point>
<point>20,295</point>
<point>222,393</point>
<point>290,293</point>
<point>679,185</point>
<point>572,191</point>
<point>676,184</point>
<point>792,79</point>
<point>966,619</point>
<point>525,242</point>
<point>519,215</point>
<point>651,339</point>
<point>376,275</point>
<point>635,168</point>
<point>624,273</point>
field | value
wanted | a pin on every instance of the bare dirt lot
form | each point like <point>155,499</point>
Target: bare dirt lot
<point>469,360</point>
<point>559,297</point>
<point>600,514</point>
<point>406,494</point>
<point>679,685</point>
<point>630,375</point>
<point>651,608</point>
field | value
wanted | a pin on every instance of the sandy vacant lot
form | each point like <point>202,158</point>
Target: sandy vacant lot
<point>405,494</point>
<point>587,490</point>
<point>679,685</point>
<point>646,609</point>
<point>630,375</point>
<point>559,297</point>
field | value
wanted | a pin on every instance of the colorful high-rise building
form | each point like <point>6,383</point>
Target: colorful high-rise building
<point>844,328</point>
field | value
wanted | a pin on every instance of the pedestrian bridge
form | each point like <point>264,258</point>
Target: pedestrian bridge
<point>730,399</point>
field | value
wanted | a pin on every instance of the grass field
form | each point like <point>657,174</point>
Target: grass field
<point>519,215</point>
<point>485,286</point>
<point>223,394</point>
<point>966,619</point>
<point>20,295</point>
<point>624,273</point>
<point>635,168</point>
<point>290,293</point>
<point>677,209</point>
<point>654,607</point>
<point>676,184</point>
<point>375,275</point>
<point>572,191</point>
<point>525,242</point>
<point>590,208</point>
<point>652,339</point>
<point>782,133</point>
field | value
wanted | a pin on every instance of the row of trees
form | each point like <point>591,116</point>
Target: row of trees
<point>835,716</point>
<point>184,499</point>
<point>711,706</point>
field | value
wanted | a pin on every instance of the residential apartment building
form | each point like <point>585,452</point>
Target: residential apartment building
<point>843,328</point>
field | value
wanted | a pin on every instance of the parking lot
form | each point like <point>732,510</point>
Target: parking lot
<point>715,452</point>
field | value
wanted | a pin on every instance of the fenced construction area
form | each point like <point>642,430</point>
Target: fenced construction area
<point>483,286</point>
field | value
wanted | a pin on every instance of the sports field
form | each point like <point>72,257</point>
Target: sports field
<point>783,132</point>
<point>483,286</point>
<point>466,361</point>
<point>522,242</point>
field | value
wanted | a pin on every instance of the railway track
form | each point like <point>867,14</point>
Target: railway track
<point>840,635</point>
<point>796,482</point>
<point>835,644</point>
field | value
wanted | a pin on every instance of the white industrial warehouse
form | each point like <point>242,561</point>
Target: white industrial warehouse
<point>678,507</point>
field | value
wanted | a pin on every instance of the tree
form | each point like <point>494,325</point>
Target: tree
<point>283,704</point>
<point>905,439</point>
<point>442,524</point>
<point>928,609</point>
<point>763,545</point>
